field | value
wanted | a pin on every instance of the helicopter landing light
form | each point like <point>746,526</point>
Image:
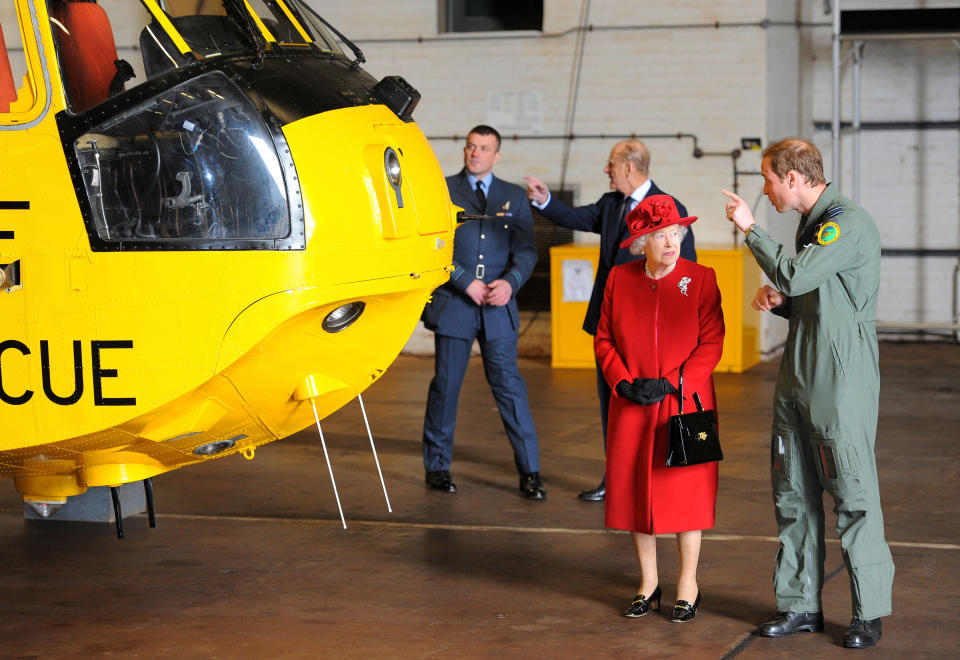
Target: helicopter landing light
<point>218,446</point>
<point>343,317</point>
<point>391,165</point>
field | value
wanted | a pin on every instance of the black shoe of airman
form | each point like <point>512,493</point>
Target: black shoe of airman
<point>441,480</point>
<point>531,487</point>
<point>862,634</point>
<point>788,623</point>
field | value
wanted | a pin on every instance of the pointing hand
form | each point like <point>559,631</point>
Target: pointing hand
<point>536,189</point>
<point>738,212</point>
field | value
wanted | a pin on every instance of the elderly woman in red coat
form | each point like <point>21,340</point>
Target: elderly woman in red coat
<point>659,313</point>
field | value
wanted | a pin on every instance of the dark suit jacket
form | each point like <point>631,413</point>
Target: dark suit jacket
<point>603,217</point>
<point>504,248</point>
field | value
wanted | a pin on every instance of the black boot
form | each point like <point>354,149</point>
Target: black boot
<point>862,634</point>
<point>788,623</point>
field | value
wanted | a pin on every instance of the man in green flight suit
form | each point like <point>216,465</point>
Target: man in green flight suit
<point>826,397</point>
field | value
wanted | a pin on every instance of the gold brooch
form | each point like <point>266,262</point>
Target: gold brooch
<point>702,435</point>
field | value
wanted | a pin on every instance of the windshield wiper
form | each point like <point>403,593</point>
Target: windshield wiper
<point>360,59</point>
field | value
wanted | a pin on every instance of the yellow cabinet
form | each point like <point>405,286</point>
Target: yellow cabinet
<point>572,269</point>
<point>738,277</point>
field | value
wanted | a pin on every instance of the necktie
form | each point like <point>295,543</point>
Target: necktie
<point>627,203</point>
<point>624,232</point>
<point>481,198</point>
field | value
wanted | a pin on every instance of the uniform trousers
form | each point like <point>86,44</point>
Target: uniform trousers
<point>509,391</point>
<point>805,462</point>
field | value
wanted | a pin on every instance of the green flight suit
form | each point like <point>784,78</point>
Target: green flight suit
<point>825,405</point>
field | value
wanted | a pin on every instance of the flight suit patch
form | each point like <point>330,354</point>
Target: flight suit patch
<point>778,454</point>
<point>828,461</point>
<point>828,233</point>
<point>840,471</point>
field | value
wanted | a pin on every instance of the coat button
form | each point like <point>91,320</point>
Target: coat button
<point>483,235</point>
<point>653,287</point>
<point>481,256</point>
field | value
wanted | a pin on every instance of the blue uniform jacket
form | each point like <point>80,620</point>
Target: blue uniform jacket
<point>500,249</point>
<point>603,217</point>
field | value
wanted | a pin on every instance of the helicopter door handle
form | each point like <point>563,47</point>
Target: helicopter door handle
<point>10,275</point>
<point>183,199</point>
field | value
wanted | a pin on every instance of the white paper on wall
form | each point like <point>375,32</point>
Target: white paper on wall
<point>577,279</point>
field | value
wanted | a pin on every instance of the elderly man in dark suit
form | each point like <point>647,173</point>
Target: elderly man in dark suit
<point>629,171</point>
<point>492,257</point>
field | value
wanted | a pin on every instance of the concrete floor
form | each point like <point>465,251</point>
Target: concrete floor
<point>249,559</point>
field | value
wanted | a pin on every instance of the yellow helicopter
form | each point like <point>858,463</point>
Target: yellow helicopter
<point>202,250</point>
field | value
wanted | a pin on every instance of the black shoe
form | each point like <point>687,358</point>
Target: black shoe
<point>441,480</point>
<point>531,487</point>
<point>684,611</point>
<point>788,623</point>
<point>641,604</point>
<point>594,495</point>
<point>862,634</point>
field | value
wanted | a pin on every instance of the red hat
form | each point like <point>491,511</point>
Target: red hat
<point>652,213</point>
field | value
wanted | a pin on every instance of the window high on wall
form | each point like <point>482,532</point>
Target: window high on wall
<point>490,15</point>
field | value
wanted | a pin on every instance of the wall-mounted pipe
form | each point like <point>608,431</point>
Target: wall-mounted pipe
<point>534,34</point>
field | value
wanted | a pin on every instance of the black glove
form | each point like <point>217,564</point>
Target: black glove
<point>645,391</point>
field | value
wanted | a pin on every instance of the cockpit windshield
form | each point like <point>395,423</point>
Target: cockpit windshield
<point>216,27</point>
<point>108,46</point>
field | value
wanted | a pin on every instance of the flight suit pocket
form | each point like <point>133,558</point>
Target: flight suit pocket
<point>781,446</point>
<point>840,471</point>
<point>787,501</point>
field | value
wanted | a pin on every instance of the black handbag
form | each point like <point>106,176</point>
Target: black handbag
<point>693,437</point>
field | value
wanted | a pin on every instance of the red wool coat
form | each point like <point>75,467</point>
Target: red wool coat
<point>648,328</point>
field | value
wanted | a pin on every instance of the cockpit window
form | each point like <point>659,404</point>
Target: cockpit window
<point>13,64</point>
<point>192,168</point>
<point>95,49</point>
<point>244,24</point>
<point>108,46</point>
<point>311,22</point>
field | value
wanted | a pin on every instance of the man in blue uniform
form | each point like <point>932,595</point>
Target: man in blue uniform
<point>628,169</point>
<point>825,403</point>
<point>492,259</point>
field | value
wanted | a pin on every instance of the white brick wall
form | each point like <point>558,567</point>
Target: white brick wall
<point>721,84</point>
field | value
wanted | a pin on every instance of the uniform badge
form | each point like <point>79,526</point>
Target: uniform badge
<point>684,281</point>
<point>829,232</point>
